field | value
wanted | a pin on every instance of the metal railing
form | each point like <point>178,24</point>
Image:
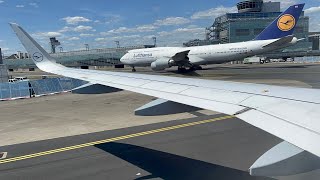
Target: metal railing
<point>28,89</point>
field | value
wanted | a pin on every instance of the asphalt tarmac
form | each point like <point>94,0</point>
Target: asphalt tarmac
<point>219,149</point>
<point>204,147</point>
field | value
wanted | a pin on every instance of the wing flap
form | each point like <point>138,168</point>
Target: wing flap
<point>284,129</point>
<point>302,114</point>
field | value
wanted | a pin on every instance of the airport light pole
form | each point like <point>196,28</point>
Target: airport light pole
<point>1,55</point>
<point>87,47</point>
<point>154,41</point>
<point>117,43</point>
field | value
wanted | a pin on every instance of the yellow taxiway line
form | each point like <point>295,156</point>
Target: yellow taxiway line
<point>44,153</point>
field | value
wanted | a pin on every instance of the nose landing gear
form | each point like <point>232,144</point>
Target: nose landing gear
<point>133,69</point>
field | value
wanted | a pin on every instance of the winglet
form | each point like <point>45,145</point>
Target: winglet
<point>39,56</point>
<point>284,25</point>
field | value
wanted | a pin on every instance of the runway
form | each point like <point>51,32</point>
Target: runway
<point>201,145</point>
<point>197,151</point>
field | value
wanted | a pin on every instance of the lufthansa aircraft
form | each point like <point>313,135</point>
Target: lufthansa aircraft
<point>276,36</point>
<point>289,113</point>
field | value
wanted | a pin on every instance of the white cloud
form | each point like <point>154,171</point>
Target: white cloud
<point>213,12</point>
<point>189,30</point>
<point>112,18</point>
<point>20,6</point>
<point>76,29</point>
<point>194,31</point>
<point>65,29</point>
<point>34,4</point>
<point>82,28</point>
<point>141,29</point>
<point>125,37</point>
<point>74,39</point>
<point>42,35</point>
<point>312,10</point>
<point>86,35</point>
<point>146,28</point>
<point>180,35</point>
<point>75,20</point>
<point>126,40</point>
<point>100,39</point>
<point>313,13</point>
<point>1,1</point>
<point>172,21</point>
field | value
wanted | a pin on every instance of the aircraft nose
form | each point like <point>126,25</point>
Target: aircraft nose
<point>123,59</point>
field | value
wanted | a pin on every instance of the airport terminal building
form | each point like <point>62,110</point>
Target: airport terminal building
<point>252,17</point>
<point>250,20</point>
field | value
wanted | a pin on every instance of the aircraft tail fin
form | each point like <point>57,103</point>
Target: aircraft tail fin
<point>284,25</point>
<point>39,56</point>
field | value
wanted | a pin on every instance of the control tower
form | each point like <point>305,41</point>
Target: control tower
<point>250,6</point>
<point>54,43</point>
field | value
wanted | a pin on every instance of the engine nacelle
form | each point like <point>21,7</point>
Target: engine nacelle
<point>161,64</point>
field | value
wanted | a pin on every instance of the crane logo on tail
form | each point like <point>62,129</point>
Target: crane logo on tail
<point>286,22</point>
<point>38,57</point>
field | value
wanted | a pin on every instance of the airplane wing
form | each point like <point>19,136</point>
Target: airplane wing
<point>289,113</point>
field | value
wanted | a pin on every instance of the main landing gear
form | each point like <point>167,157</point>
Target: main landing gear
<point>196,68</point>
<point>133,69</point>
<point>182,69</point>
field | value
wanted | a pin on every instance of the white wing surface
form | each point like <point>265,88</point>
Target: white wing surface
<point>290,113</point>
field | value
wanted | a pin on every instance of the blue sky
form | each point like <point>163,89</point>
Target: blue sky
<point>99,23</point>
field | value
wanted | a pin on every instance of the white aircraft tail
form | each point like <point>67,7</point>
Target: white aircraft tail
<point>39,56</point>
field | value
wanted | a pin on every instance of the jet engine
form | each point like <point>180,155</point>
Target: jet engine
<point>161,64</point>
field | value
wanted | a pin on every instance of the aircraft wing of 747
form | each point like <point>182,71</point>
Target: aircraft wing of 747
<point>276,36</point>
<point>289,113</point>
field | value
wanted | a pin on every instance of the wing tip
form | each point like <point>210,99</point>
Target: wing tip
<point>13,24</point>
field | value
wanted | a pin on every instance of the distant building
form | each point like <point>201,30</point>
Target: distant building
<point>3,73</point>
<point>252,18</point>
<point>198,42</point>
<point>18,55</point>
<point>315,41</point>
<point>3,70</point>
